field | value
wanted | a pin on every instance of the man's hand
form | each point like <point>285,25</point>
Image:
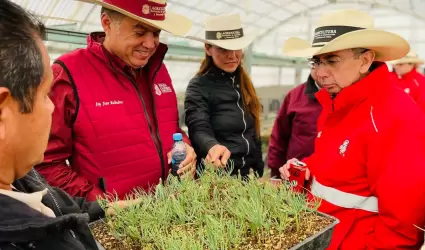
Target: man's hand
<point>121,205</point>
<point>187,167</point>
<point>284,170</point>
<point>218,155</point>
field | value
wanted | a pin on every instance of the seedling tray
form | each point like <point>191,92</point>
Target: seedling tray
<point>320,240</point>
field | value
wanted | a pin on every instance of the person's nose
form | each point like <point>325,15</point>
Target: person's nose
<point>321,71</point>
<point>231,54</point>
<point>51,105</point>
<point>149,40</point>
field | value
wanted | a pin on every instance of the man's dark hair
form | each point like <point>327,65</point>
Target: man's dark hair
<point>21,62</point>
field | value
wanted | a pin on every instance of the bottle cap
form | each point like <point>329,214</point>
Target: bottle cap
<point>177,137</point>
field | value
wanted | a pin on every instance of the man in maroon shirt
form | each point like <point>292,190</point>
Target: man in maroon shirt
<point>295,127</point>
<point>116,109</point>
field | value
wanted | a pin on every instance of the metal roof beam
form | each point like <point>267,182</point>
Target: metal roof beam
<point>318,7</point>
<point>78,40</point>
<point>68,26</point>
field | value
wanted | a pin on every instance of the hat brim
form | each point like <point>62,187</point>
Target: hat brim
<point>173,23</point>
<point>386,45</point>
<point>407,60</point>
<point>229,44</point>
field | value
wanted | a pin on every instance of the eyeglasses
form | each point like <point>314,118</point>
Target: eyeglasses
<point>332,63</point>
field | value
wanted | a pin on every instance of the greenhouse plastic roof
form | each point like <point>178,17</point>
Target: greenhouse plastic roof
<point>272,21</point>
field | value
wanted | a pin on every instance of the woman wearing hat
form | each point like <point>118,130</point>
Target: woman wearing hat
<point>407,77</point>
<point>368,167</point>
<point>222,108</point>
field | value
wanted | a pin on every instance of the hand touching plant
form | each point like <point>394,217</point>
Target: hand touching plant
<point>218,155</point>
<point>121,204</point>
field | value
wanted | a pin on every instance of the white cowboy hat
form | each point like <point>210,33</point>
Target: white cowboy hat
<point>225,31</point>
<point>347,29</point>
<point>151,12</point>
<point>411,57</point>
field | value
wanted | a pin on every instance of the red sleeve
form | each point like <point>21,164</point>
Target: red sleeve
<point>54,168</point>
<point>396,171</point>
<point>279,139</point>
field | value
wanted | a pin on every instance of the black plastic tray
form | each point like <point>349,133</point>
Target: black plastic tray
<point>319,241</point>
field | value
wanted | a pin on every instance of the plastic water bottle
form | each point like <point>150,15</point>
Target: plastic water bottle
<point>178,153</point>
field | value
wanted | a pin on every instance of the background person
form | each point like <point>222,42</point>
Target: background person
<point>407,77</point>
<point>295,127</point>
<point>368,165</point>
<point>116,109</point>
<point>221,106</point>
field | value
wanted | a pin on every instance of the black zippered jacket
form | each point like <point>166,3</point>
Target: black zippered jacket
<point>22,227</point>
<point>215,114</point>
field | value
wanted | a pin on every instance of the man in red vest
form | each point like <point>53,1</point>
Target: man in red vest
<point>408,78</point>
<point>368,165</point>
<point>116,109</point>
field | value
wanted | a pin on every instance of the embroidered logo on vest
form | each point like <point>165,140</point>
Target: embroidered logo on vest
<point>343,147</point>
<point>157,90</point>
<point>164,88</point>
<point>407,90</point>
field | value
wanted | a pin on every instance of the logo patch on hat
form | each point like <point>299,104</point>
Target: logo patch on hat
<point>219,36</point>
<point>146,9</point>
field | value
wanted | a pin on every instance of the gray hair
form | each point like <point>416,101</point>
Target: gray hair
<point>21,62</point>
<point>358,51</point>
<point>114,15</point>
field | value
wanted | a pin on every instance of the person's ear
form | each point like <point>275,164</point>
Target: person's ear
<point>106,22</point>
<point>208,49</point>
<point>4,111</point>
<point>367,59</point>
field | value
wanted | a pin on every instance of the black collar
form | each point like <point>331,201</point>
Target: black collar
<point>311,87</point>
<point>214,70</point>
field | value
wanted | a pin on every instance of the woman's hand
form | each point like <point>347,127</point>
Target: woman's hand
<point>218,155</point>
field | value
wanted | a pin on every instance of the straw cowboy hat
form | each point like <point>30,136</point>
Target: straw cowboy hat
<point>347,29</point>
<point>151,12</point>
<point>225,31</point>
<point>411,57</point>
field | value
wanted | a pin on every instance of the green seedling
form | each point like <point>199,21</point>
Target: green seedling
<point>216,211</point>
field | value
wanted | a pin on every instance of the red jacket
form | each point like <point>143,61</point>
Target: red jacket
<point>295,129</point>
<point>371,143</point>
<point>413,83</point>
<point>114,130</point>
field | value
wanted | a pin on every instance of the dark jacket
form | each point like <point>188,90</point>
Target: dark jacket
<point>295,128</point>
<point>215,114</point>
<point>22,227</point>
